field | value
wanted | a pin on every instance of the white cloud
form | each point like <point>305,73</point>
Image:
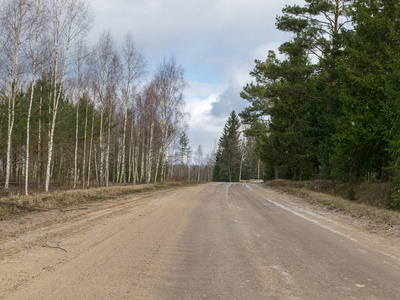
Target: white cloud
<point>204,129</point>
<point>261,52</point>
<point>203,90</point>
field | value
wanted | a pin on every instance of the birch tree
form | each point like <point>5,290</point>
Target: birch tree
<point>37,17</point>
<point>170,85</point>
<point>81,57</point>
<point>101,63</point>
<point>151,101</point>
<point>15,22</point>
<point>111,96</point>
<point>71,19</point>
<point>134,69</point>
<point>199,160</point>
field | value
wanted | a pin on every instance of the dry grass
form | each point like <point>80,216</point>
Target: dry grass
<point>356,209</point>
<point>61,199</point>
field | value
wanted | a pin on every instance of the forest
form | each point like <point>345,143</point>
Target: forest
<point>327,105</point>
<point>75,116</point>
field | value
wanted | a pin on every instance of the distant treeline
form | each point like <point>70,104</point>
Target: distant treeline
<point>329,106</point>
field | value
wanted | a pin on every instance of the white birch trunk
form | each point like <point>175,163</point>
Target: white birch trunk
<point>131,152</point>
<point>90,150</point>
<point>31,100</point>
<point>77,120</point>
<point>157,166</point>
<point>164,148</point>
<point>96,166</point>
<point>39,168</point>
<point>142,166</point>
<point>76,145</point>
<point>18,9</point>
<point>57,95</point>
<point>107,164</point>
<point>135,164</point>
<point>119,167</point>
<point>123,175</point>
<point>84,146</point>
<point>150,153</point>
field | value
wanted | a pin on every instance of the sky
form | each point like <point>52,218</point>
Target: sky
<point>216,42</point>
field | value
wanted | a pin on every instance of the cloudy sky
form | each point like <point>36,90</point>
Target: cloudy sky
<point>216,41</point>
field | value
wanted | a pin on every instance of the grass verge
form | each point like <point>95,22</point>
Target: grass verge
<point>61,199</point>
<point>377,215</point>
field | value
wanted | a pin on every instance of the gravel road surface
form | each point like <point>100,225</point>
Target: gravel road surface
<point>210,241</point>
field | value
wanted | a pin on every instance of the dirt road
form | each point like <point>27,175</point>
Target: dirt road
<point>212,241</point>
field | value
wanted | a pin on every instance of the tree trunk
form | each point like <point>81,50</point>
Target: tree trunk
<point>57,95</point>
<point>142,166</point>
<point>13,85</point>
<point>84,145</point>
<point>39,169</point>
<point>76,144</point>
<point>150,153</point>
<point>131,152</point>
<point>123,177</point>
<point>164,149</point>
<point>31,100</point>
<point>90,150</point>
<point>157,167</point>
<point>107,164</point>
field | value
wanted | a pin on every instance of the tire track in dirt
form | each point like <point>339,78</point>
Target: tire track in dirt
<point>140,230</point>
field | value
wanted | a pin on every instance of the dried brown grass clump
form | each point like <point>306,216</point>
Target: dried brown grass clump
<point>356,209</point>
<point>61,199</point>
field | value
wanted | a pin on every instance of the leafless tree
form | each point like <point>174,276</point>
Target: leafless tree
<point>152,103</point>
<point>81,68</point>
<point>101,68</point>
<point>34,59</point>
<point>170,85</point>
<point>111,97</point>
<point>199,160</point>
<point>16,23</point>
<point>133,69</point>
<point>71,19</point>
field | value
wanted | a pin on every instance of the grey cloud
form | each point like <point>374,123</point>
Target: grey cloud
<point>228,101</point>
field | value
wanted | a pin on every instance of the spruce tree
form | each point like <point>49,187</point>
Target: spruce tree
<point>227,164</point>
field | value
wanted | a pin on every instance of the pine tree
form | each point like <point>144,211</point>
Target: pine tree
<point>294,102</point>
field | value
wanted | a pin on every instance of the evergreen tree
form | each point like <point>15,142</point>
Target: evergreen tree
<point>368,94</point>
<point>227,164</point>
<point>295,101</point>
<point>184,151</point>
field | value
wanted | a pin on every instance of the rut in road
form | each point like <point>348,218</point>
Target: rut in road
<point>210,260</point>
<point>241,244</point>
